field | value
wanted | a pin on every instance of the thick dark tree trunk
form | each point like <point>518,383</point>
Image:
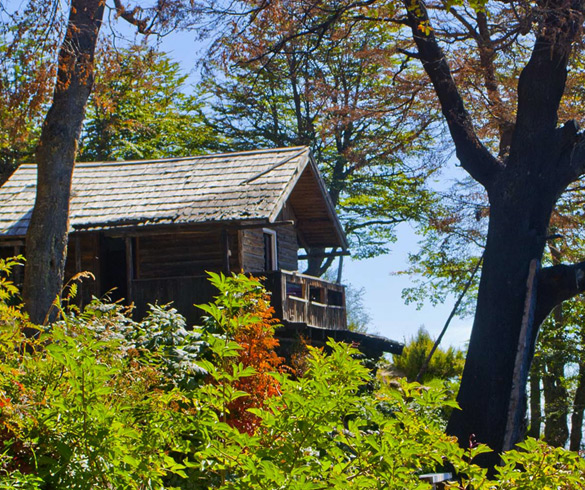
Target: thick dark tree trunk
<point>515,295</point>
<point>46,240</point>
<point>578,410</point>
<point>492,394</point>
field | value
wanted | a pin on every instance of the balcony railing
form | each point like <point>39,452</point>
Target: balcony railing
<point>298,298</point>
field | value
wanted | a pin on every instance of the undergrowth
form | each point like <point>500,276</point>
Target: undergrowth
<point>99,401</point>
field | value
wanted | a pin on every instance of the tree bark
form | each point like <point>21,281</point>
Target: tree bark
<point>576,437</point>
<point>500,351</point>
<point>46,239</point>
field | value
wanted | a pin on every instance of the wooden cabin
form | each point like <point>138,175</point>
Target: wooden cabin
<point>149,230</point>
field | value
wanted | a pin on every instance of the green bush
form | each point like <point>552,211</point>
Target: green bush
<point>98,401</point>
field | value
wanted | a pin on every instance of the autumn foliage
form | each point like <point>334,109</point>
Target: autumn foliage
<point>257,343</point>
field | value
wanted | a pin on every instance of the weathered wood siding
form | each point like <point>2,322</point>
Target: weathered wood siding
<point>183,292</point>
<point>288,248</point>
<point>83,255</point>
<point>252,250</point>
<point>186,253</point>
<point>288,241</point>
<point>252,242</point>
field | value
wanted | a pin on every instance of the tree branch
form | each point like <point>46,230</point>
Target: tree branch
<point>473,155</point>
<point>557,284</point>
<point>131,16</point>
<point>542,82</point>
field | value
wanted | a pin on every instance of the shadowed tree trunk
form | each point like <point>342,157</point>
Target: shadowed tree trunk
<point>556,395</point>
<point>576,437</point>
<point>46,239</point>
<point>515,295</point>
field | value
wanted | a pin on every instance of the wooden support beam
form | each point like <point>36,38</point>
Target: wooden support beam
<point>342,253</point>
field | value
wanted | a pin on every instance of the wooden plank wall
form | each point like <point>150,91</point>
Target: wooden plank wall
<point>183,292</point>
<point>288,248</point>
<point>253,249</point>
<point>185,253</point>
<point>88,260</point>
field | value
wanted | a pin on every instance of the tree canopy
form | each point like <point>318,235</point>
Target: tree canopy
<point>350,96</point>
<point>140,109</point>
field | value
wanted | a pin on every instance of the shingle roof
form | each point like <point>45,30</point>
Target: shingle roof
<point>233,186</point>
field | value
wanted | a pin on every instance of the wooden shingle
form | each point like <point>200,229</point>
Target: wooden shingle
<point>252,185</point>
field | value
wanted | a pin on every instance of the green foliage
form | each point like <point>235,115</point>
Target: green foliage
<point>99,402</point>
<point>349,96</point>
<point>140,109</point>
<point>28,48</point>
<point>445,364</point>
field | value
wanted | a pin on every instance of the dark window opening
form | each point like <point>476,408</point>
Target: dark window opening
<point>334,298</point>
<point>294,289</point>
<point>113,267</point>
<point>316,294</point>
<point>270,259</point>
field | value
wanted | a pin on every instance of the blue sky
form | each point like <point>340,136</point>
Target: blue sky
<point>390,317</point>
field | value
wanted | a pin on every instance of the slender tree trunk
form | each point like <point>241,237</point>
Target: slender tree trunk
<point>556,396</point>
<point>578,409</point>
<point>535,394</point>
<point>46,239</point>
<point>556,409</point>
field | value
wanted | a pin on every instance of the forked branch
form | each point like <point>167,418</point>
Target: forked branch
<point>557,284</point>
<point>473,155</point>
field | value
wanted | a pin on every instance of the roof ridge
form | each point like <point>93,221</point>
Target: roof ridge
<point>285,149</point>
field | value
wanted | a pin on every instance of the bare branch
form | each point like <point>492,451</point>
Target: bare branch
<point>131,16</point>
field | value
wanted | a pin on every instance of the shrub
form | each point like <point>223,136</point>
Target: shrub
<point>101,402</point>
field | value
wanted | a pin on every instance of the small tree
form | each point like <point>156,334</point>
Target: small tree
<point>445,364</point>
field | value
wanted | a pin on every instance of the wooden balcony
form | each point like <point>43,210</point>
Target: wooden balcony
<point>296,298</point>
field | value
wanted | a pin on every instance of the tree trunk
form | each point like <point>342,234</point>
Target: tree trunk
<point>522,188</point>
<point>578,409</point>
<point>556,396</point>
<point>535,405</point>
<point>46,240</point>
<point>556,409</point>
<point>493,388</point>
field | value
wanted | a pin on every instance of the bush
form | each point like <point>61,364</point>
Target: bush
<point>101,402</point>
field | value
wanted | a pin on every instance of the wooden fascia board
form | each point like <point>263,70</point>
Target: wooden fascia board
<point>307,160</point>
<point>279,206</point>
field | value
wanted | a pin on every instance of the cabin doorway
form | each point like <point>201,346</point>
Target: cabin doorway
<point>113,268</point>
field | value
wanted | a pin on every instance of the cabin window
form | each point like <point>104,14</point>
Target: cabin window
<point>334,298</point>
<point>294,289</point>
<point>270,250</point>
<point>316,294</point>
